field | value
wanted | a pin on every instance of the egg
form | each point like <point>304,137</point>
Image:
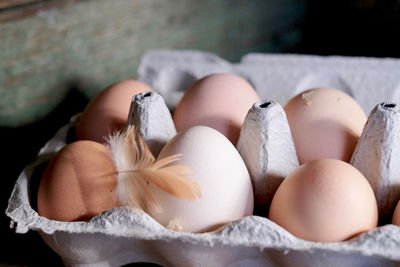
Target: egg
<point>325,200</point>
<point>218,169</point>
<point>78,183</point>
<point>108,111</point>
<point>220,101</point>
<point>325,123</point>
<point>396,215</point>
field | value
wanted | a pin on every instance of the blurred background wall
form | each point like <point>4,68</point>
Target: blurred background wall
<point>49,47</point>
<point>57,54</point>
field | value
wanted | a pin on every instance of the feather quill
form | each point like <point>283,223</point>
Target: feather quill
<point>137,168</point>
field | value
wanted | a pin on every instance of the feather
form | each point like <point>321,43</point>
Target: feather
<point>137,168</point>
<point>172,183</point>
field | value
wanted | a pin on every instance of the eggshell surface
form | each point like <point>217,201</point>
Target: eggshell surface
<point>325,123</point>
<point>108,111</point>
<point>78,183</point>
<point>220,101</point>
<point>396,215</point>
<point>325,200</point>
<point>226,190</point>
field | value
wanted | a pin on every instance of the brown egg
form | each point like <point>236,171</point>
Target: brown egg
<point>78,183</point>
<point>220,101</point>
<point>108,111</point>
<point>396,215</point>
<point>325,123</point>
<point>325,200</point>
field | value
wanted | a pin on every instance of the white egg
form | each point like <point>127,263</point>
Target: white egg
<point>226,190</point>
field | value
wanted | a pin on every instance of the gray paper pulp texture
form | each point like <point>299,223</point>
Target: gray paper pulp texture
<point>124,235</point>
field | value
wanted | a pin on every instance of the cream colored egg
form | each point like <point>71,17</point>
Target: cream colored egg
<point>396,215</point>
<point>226,190</point>
<point>325,200</point>
<point>108,111</point>
<point>325,123</point>
<point>220,101</point>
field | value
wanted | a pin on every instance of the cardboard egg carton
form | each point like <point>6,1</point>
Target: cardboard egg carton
<point>125,235</point>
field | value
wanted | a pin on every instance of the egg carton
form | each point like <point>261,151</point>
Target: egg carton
<point>125,235</point>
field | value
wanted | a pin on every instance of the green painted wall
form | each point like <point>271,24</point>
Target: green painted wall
<point>87,45</point>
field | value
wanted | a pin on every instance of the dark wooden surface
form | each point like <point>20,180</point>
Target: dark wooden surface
<point>15,3</point>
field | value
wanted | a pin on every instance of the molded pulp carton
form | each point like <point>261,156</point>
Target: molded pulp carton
<point>124,235</point>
